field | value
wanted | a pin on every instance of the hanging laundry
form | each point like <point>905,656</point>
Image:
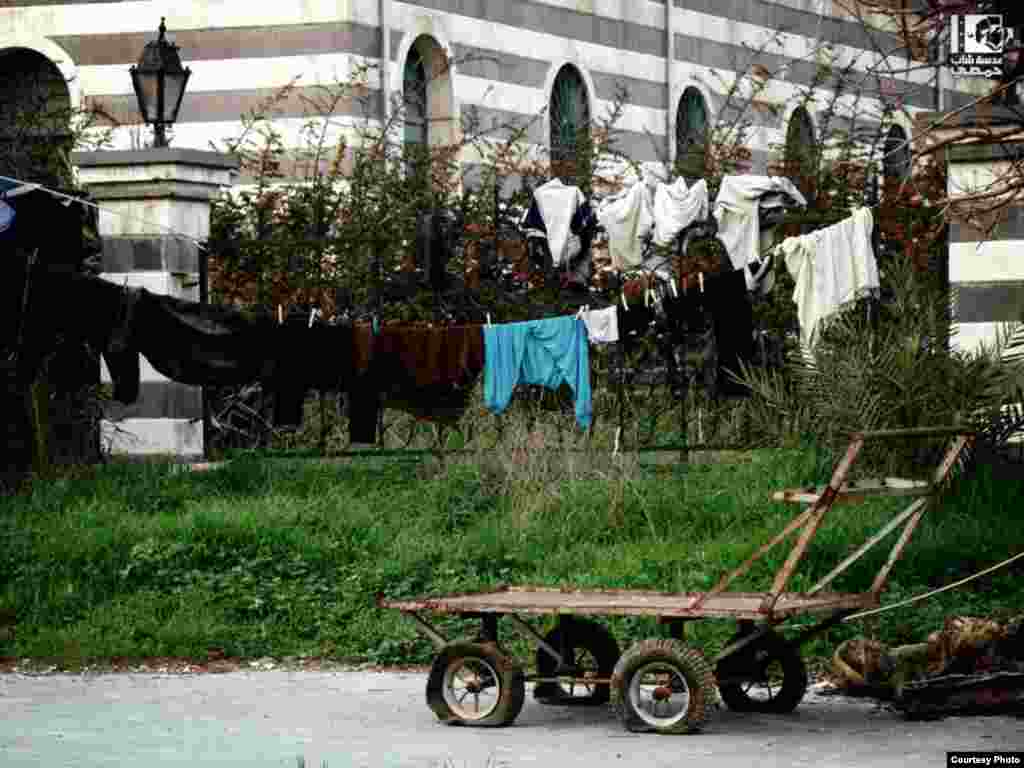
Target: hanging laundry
<point>676,207</point>
<point>602,325</point>
<point>426,371</point>
<point>633,323</point>
<point>760,275</point>
<point>302,357</point>
<point>557,204</point>
<point>627,220</point>
<point>737,210</point>
<point>832,267</point>
<point>543,352</point>
<point>732,317</point>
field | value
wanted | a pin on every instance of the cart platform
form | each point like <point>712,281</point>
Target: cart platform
<point>662,684</point>
<point>634,602</point>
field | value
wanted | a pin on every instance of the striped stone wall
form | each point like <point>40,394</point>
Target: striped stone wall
<point>986,270</point>
<point>505,53</point>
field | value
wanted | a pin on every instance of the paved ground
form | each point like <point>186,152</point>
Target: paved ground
<point>380,719</point>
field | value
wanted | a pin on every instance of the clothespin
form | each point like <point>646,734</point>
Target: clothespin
<point>625,306</point>
<point>700,278</point>
<point>672,282</point>
<point>579,312</point>
<point>312,315</point>
<point>488,318</point>
<point>280,315</point>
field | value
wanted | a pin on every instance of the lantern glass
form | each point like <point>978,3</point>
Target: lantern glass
<point>174,90</point>
<point>146,85</point>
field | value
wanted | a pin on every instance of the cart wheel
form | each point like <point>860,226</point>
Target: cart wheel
<point>775,677</point>
<point>663,686</point>
<point>475,684</point>
<point>593,652</point>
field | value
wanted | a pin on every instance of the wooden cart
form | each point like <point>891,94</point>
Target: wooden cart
<point>665,685</point>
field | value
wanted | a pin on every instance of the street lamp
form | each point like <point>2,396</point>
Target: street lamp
<point>159,81</point>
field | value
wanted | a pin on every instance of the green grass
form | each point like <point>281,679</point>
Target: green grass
<point>284,557</point>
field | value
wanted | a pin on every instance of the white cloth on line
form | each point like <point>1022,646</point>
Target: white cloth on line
<point>627,220</point>
<point>832,267</point>
<point>557,203</point>
<point>602,325</point>
<point>676,207</point>
<point>737,207</point>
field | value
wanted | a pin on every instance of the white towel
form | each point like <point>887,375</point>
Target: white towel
<point>557,203</point>
<point>737,207</point>
<point>676,207</point>
<point>627,220</point>
<point>602,325</point>
<point>832,267</point>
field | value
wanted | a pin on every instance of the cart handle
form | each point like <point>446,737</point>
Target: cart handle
<point>915,432</point>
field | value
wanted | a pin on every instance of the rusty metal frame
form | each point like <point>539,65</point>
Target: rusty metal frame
<point>439,640</point>
<point>543,644</point>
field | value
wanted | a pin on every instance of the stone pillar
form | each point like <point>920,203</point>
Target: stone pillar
<point>986,270</point>
<point>149,199</point>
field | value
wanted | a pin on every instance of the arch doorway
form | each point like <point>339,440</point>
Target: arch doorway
<point>35,113</point>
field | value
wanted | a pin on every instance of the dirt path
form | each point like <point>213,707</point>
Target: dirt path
<point>352,718</point>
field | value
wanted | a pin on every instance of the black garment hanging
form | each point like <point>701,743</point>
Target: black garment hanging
<point>304,358</point>
<point>732,316</point>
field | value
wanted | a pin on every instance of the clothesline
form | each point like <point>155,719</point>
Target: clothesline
<point>90,204</point>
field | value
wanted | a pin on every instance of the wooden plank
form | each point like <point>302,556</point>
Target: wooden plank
<point>916,432</point>
<point>540,600</point>
<point>912,509</point>
<point>857,490</point>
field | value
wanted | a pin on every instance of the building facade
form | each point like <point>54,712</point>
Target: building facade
<point>502,60</point>
<point>506,59</point>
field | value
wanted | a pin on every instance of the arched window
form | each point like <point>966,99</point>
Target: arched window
<point>570,123</point>
<point>414,98</point>
<point>691,134</point>
<point>801,152</point>
<point>896,160</point>
<point>35,109</point>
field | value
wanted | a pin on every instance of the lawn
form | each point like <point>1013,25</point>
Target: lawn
<point>284,557</point>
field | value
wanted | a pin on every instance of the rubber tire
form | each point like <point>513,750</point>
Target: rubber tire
<point>583,634</point>
<point>794,677</point>
<point>511,684</point>
<point>688,661</point>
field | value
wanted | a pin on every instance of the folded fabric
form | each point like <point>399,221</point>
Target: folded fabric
<point>627,220</point>
<point>832,267</point>
<point>676,207</point>
<point>602,325</point>
<point>557,203</point>
<point>543,352</point>
<point>737,209</point>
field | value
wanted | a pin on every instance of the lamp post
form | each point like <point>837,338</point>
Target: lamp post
<point>159,81</point>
